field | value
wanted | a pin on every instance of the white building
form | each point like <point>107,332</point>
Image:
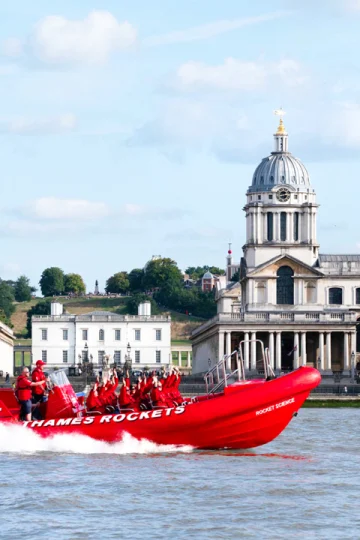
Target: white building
<point>303,305</point>
<point>60,339</point>
<point>6,350</point>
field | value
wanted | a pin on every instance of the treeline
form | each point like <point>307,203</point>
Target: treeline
<point>11,291</point>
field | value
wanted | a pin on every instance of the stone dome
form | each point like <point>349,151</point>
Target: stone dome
<point>280,168</point>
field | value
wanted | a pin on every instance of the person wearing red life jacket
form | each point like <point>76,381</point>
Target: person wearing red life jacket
<point>38,392</point>
<point>125,400</point>
<point>23,393</point>
<point>92,401</point>
<point>157,397</point>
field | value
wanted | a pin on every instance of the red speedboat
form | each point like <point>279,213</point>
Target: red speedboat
<point>243,414</point>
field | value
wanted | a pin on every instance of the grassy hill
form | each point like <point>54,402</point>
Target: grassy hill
<point>181,327</point>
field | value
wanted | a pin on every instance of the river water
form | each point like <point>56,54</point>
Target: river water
<point>305,484</point>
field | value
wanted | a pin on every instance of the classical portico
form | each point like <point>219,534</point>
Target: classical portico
<point>302,305</point>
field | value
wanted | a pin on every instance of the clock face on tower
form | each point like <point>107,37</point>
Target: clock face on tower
<point>283,195</point>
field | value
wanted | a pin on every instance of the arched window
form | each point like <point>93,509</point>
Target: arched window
<point>271,179</point>
<point>357,296</point>
<point>101,335</point>
<point>285,285</point>
<point>261,180</point>
<point>335,296</point>
<point>283,226</point>
<point>270,226</point>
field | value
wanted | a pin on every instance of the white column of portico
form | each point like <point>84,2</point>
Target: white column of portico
<point>353,342</point>
<point>179,358</point>
<point>265,231</point>
<point>296,350</point>
<point>321,351</point>
<point>346,350</point>
<point>303,348</point>
<point>328,351</point>
<point>259,226</point>
<point>271,349</point>
<point>228,350</point>
<point>278,350</point>
<point>189,359</point>
<point>221,345</point>
<point>246,351</point>
<point>253,350</point>
<point>290,227</point>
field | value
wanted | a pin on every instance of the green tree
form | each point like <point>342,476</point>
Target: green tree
<point>41,308</point>
<point>52,281</point>
<point>118,283</point>
<point>216,270</point>
<point>4,319</point>
<point>22,289</point>
<point>134,301</point>
<point>197,272</point>
<point>74,283</point>
<point>236,276</point>
<point>6,299</point>
<point>161,272</point>
<point>136,277</point>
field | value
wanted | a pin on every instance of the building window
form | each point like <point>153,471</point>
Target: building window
<point>271,179</point>
<point>65,357</point>
<point>101,356</point>
<point>85,356</point>
<point>117,357</point>
<point>137,335</point>
<point>283,217</point>
<point>65,335</point>
<point>270,226</point>
<point>158,357</point>
<point>158,335</point>
<point>259,197</point>
<point>357,296</point>
<point>285,286</point>
<point>137,357</point>
<point>84,335</point>
<point>261,179</point>
<point>296,226</point>
<point>44,334</point>
<point>44,356</point>
<point>335,296</point>
<point>101,335</point>
<point>270,196</point>
<point>117,335</point>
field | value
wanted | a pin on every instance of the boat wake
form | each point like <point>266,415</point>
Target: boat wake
<point>18,439</point>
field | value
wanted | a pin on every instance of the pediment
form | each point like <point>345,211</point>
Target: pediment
<point>270,268</point>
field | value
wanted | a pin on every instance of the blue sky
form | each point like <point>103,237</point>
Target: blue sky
<point>132,128</point>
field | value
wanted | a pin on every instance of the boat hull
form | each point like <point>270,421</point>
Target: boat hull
<point>243,416</point>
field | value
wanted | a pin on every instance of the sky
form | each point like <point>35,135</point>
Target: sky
<point>131,128</point>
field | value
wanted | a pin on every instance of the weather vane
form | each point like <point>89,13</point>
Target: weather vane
<point>279,112</point>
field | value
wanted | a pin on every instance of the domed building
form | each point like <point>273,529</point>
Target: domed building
<point>303,305</point>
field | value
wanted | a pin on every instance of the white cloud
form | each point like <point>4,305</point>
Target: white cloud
<point>238,75</point>
<point>12,47</point>
<point>52,208</point>
<point>210,30</point>
<point>351,5</point>
<point>59,41</point>
<point>344,126</point>
<point>44,126</point>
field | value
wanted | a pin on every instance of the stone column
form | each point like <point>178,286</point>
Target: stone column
<point>221,345</point>
<point>290,227</point>
<point>253,351</point>
<point>246,351</point>
<point>346,351</point>
<point>321,351</point>
<point>278,226</point>
<point>353,343</point>
<point>271,349</point>
<point>179,358</point>
<point>189,359</point>
<point>303,348</point>
<point>328,351</point>
<point>296,350</point>
<point>265,231</point>
<point>228,350</point>
<point>278,350</point>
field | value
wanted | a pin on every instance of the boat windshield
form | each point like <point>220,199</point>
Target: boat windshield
<point>59,378</point>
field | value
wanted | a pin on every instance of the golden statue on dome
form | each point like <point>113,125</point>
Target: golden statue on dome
<point>281,128</point>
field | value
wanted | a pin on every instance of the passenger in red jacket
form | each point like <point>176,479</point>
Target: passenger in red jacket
<point>23,393</point>
<point>157,397</point>
<point>38,392</point>
<point>125,400</point>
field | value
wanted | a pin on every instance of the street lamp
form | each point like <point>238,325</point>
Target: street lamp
<point>127,365</point>
<point>353,367</point>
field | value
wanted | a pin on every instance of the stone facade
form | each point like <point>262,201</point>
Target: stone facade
<point>304,306</point>
<point>6,350</point>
